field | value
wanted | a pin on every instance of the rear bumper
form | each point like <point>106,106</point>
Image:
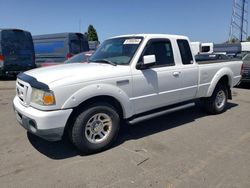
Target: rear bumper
<point>48,125</point>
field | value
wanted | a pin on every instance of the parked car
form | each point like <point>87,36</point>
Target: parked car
<point>131,78</point>
<point>246,69</point>
<point>227,48</point>
<point>210,57</point>
<point>80,58</point>
<point>56,48</point>
<point>16,51</point>
<point>241,54</point>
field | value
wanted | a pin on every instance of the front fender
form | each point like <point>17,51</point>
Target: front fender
<point>222,72</point>
<point>95,90</point>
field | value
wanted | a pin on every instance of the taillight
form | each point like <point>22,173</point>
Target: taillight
<point>69,55</point>
<point>1,58</point>
<point>242,68</point>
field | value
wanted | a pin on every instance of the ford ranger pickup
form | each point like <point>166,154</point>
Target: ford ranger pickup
<point>131,78</point>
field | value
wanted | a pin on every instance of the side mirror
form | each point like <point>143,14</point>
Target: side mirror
<point>149,60</point>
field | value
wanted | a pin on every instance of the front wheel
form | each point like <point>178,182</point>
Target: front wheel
<point>95,128</point>
<point>217,103</point>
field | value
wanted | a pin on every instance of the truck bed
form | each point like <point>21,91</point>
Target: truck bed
<point>210,70</point>
<point>216,61</point>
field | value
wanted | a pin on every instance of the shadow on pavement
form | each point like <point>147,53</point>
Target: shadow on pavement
<point>8,78</point>
<point>55,150</point>
<point>63,149</point>
<point>164,123</point>
<point>244,86</point>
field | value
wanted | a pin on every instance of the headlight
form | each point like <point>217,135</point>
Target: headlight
<point>45,98</point>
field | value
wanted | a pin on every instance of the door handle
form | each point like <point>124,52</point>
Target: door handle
<point>176,74</point>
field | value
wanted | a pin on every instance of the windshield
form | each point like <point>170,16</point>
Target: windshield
<point>118,51</point>
<point>79,58</point>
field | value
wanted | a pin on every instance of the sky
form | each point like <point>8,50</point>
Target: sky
<point>200,20</point>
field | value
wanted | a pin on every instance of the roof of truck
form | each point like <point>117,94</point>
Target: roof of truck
<point>144,35</point>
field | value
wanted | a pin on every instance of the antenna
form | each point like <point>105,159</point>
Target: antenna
<point>239,21</point>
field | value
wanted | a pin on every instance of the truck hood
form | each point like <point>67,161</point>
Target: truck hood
<point>78,72</point>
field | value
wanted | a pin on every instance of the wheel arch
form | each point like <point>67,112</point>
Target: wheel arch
<point>224,76</point>
<point>101,93</point>
<point>101,99</point>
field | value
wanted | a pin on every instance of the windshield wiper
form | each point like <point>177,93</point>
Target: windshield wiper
<point>104,61</point>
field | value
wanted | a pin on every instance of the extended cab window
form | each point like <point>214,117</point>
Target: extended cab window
<point>185,51</point>
<point>162,50</point>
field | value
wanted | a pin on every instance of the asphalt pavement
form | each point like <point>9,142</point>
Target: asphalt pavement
<point>184,149</point>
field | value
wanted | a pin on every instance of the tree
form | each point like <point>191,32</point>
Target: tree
<point>248,38</point>
<point>92,34</point>
<point>232,41</point>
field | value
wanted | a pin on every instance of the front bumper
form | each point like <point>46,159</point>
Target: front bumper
<point>46,124</point>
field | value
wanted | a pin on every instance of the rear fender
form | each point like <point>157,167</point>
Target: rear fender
<point>222,72</point>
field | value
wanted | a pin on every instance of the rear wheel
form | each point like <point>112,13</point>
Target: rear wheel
<point>217,103</point>
<point>95,128</point>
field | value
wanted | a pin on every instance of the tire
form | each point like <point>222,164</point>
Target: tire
<point>217,103</point>
<point>95,128</point>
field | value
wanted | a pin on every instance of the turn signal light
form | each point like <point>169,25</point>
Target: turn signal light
<point>48,99</point>
<point>242,69</point>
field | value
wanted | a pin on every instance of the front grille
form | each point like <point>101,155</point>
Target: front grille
<point>22,91</point>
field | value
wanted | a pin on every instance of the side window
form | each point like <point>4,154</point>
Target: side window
<point>185,51</point>
<point>163,52</point>
<point>49,47</point>
<point>205,48</point>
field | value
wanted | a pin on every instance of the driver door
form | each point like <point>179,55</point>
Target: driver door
<point>158,85</point>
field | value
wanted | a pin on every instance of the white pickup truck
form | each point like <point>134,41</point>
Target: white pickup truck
<point>131,77</point>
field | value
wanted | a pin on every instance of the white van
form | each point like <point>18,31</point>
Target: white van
<point>207,48</point>
<point>196,47</point>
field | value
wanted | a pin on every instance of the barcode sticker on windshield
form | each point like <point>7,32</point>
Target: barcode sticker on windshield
<point>132,41</point>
